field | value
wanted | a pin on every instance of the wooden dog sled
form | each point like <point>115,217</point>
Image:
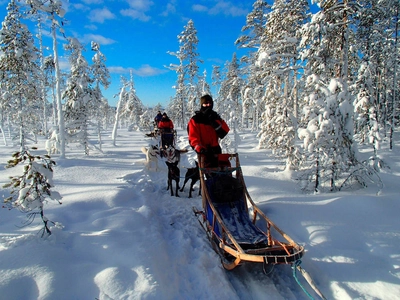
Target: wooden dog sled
<point>238,230</point>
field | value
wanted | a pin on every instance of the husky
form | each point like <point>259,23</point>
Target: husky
<point>172,158</point>
<point>171,154</point>
<point>152,134</point>
<point>152,153</point>
<point>194,175</point>
<point>173,174</point>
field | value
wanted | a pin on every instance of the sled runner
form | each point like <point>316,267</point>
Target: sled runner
<point>238,230</point>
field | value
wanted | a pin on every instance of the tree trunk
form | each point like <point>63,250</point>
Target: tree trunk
<point>392,125</point>
<point>316,176</point>
<point>114,132</point>
<point>61,125</point>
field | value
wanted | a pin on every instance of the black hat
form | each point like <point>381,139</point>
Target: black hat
<point>206,99</point>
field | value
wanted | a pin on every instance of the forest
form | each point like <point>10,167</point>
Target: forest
<point>314,85</point>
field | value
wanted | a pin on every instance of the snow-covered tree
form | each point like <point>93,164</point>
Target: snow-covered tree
<point>178,104</point>
<point>378,42</point>
<point>18,74</point>
<point>3,109</point>
<point>253,33</point>
<point>395,94</point>
<point>216,78</point>
<point>187,72</point>
<point>100,73</point>
<point>55,12</point>
<point>189,41</point>
<point>328,117</point>
<point>42,77</point>
<point>255,25</point>
<point>252,97</point>
<point>204,87</point>
<point>120,104</point>
<point>101,77</point>
<point>278,70</point>
<point>229,99</point>
<point>133,107</point>
<point>31,190</point>
<point>329,151</point>
<point>366,121</point>
<point>50,84</point>
<point>78,95</point>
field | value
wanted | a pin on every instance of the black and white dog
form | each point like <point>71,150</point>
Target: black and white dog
<point>173,175</point>
<point>172,156</point>
<point>152,153</point>
<point>194,175</point>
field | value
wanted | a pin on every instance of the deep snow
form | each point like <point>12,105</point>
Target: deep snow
<point>125,237</point>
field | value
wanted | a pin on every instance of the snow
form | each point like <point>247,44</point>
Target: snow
<point>125,237</point>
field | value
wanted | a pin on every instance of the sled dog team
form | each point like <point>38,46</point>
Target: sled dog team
<point>172,159</point>
<point>205,129</point>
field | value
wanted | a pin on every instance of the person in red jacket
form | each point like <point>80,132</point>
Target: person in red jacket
<point>205,129</point>
<point>166,128</point>
<point>165,123</point>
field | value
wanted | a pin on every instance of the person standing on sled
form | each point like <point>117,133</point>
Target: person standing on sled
<point>205,129</point>
<point>166,123</point>
<point>166,127</point>
<point>158,118</point>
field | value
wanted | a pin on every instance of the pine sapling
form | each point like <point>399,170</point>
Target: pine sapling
<point>30,190</point>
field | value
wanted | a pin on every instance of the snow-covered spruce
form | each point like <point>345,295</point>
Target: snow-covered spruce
<point>30,190</point>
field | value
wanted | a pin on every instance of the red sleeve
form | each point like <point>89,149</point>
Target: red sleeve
<point>194,135</point>
<point>224,126</point>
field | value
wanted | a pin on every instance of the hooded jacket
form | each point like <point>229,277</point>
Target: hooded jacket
<point>204,130</point>
<point>165,123</point>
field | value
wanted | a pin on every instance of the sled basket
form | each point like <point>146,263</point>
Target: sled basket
<point>240,231</point>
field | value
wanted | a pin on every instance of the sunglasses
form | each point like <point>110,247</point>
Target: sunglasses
<point>207,104</point>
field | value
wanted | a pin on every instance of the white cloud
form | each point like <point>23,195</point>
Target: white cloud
<point>199,7</point>
<point>222,7</point>
<point>135,14</point>
<point>80,7</point>
<point>91,27</point>
<point>170,9</point>
<point>100,15</point>
<point>97,38</point>
<point>137,10</point>
<point>93,1</point>
<point>143,71</point>
<point>141,5</point>
<point>147,70</point>
<point>64,64</point>
<point>118,70</point>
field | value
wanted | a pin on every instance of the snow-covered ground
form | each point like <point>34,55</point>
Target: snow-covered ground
<point>125,237</point>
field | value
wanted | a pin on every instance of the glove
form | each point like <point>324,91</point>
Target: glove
<point>200,150</point>
<point>213,117</point>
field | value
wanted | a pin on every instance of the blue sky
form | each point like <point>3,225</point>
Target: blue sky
<point>137,34</point>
